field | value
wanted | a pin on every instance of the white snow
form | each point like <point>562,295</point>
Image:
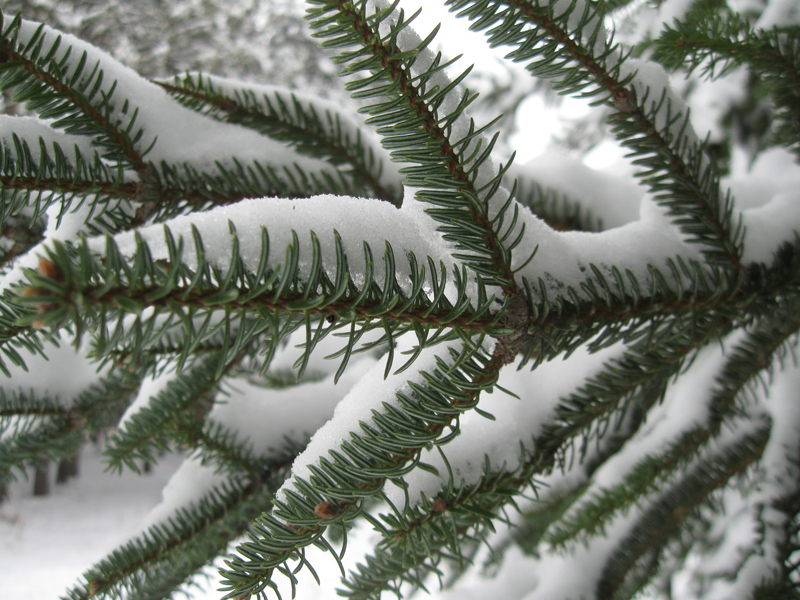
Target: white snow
<point>654,92</point>
<point>755,183</point>
<point>47,542</point>
<point>265,417</point>
<point>566,256</point>
<point>766,194</point>
<point>515,577</point>
<point>779,13</point>
<point>610,198</point>
<point>191,481</point>
<point>357,220</point>
<point>37,134</point>
<point>333,118</point>
<point>61,376</point>
<point>150,388</point>
<point>767,227</point>
<point>685,406</point>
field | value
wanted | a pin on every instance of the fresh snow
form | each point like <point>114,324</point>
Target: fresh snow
<point>781,13</point>
<point>150,388</point>
<point>27,129</point>
<point>685,406</point>
<point>60,376</point>
<point>265,418</point>
<point>611,199</point>
<point>358,221</point>
<point>336,121</point>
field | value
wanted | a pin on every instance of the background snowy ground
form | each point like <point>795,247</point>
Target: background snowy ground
<point>47,542</point>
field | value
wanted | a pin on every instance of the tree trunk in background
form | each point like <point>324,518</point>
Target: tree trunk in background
<point>68,467</point>
<point>41,480</point>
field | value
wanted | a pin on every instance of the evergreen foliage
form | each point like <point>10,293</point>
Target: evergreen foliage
<point>511,366</point>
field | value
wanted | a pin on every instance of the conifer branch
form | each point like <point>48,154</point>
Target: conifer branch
<point>186,399</point>
<point>613,305</point>
<point>784,581</point>
<point>723,41</point>
<point>445,160</point>
<point>417,539</point>
<point>661,520</point>
<point>13,335</point>
<point>100,293</point>
<point>46,428</point>
<point>657,132</point>
<point>288,120</point>
<point>337,487</point>
<point>35,60</point>
<point>216,445</point>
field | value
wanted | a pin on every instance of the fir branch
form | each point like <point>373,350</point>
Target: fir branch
<point>218,304</point>
<point>46,178</point>
<point>54,431</point>
<point>74,94</point>
<point>613,306</point>
<point>290,120</point>
<point>783,584</point>
<point>760,350</point>
<point>13,335</point>
<point>100,293</point>
<point>414,128</point>
<point>724,40</point>
<point>634,382</point>
<point>181,186</point>
<point>417,538</point>
<point>591,516</point>
<point>71,94</point>
<point>34,179</point>
<point>359,469</point>
<point>582,62</point>
<point>216,445</point>
<point>184,400</point>
<point>662,518</point>
<point>58,437</point>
